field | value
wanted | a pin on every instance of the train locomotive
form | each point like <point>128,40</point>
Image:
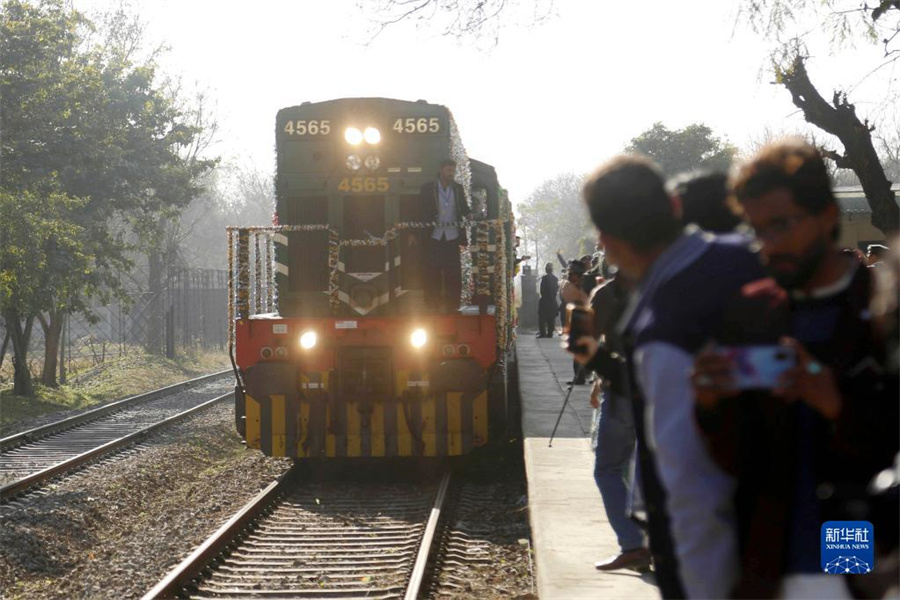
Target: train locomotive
<point>335,349</point>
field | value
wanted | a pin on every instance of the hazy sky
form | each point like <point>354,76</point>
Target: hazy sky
<point>557,97</point>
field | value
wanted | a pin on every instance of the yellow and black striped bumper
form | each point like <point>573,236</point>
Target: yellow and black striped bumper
<point>312,422</point>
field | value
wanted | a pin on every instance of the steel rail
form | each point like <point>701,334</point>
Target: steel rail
<point>425,548</point>
<point>17,487</point>
<point>37,433</point>
<point>192,566</point>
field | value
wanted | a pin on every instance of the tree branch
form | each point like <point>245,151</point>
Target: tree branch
<point>839,119</point>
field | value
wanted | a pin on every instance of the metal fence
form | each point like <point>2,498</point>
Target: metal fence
<point>189,313</point>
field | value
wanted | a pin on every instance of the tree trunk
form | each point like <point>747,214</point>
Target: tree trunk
<point>4,347</point>
<point>21,337</point>
<point>156,312</point>
<point>52,333</point>
<point>64,338</point>
<point>839,119</point>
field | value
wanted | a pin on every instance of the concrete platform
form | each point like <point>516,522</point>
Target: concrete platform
<point>569,527</point>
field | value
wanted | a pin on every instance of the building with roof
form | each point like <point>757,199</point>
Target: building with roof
<point>857,230</point>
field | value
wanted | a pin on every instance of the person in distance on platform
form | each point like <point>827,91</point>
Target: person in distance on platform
<point>447,206</point>
<point>804,448</point>
<point>547,307</point>
<point>572,292</point>
<point>682,282</point>
<point>589,279</point>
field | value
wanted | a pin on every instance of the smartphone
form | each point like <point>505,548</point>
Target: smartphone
<point>581,324</point>
<point>759,367</point>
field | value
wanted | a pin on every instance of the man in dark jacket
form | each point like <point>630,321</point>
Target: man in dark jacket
<point>804,451</point>
<point>448,207</point>
<point>547,304</point>
<point>615,429</point>
<point>682,283</point>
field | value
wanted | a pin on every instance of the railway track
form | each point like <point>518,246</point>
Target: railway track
<point>33,457</point>
<point>299,540</point>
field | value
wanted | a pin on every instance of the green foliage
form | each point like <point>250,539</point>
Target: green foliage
<point>91,140</point>
<point>680,150</point>
<point>47,258</point>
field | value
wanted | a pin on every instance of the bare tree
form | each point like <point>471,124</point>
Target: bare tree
<point>847,21</point>
<point>462,19</point>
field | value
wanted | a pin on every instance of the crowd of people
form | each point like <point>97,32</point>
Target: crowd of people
<point>745,367</point>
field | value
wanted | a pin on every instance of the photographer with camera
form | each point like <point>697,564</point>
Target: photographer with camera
<point>615,437</point>
<point>806,434</point>
<point>688,497</point>
<point>572,292</point>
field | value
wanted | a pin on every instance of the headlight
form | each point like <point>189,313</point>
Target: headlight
<point>281,352</point>
<point>353,136</point>
<point>353,162</point>
<point>308,340</point>
<point>372,162</point>
<point>418,338</point>
<point>372,135</point>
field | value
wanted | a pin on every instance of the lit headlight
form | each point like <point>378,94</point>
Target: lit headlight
<point>308,340</point>
<point>353,162</point>
<point>353,136</point>
<point>418,338</point>
<point>372,135</point>
<point>372,162</point>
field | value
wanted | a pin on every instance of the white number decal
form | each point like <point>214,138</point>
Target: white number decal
<point>314,127</point>
<point>417,125</point>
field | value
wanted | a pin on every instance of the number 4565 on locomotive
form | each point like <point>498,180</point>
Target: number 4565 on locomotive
<point>336,351</point>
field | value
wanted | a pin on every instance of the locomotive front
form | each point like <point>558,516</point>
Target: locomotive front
<point>336,351</point>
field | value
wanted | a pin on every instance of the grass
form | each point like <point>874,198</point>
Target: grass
<point>111,380</point>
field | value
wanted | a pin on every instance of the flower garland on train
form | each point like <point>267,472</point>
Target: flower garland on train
<point>239,274</point>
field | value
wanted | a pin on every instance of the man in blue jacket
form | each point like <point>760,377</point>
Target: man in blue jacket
<point>683,282</point>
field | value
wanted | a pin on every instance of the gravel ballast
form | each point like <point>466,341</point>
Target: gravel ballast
<point>115,529</point>
<point>118,527</point>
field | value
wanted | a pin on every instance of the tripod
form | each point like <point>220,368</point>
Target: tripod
<point>578,376</point>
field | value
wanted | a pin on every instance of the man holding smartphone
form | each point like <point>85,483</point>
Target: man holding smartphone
<point>682,283</point>
<point>806,445</point>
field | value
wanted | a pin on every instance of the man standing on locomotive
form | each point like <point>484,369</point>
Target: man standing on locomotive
<point>446,204</point>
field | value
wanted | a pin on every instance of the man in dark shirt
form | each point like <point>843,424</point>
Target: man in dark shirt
<point>547,306</point>
<point>804,451</point>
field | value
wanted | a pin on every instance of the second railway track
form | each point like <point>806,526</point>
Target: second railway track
<point>35,456</point>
